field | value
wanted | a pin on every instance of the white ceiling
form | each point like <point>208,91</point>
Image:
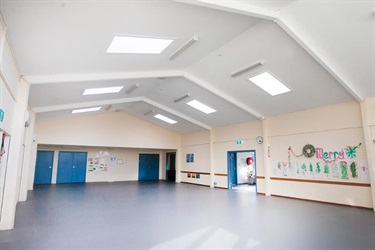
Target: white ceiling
<point>322,50</point>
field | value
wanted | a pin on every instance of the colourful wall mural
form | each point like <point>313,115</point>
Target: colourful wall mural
<point>320,163</point>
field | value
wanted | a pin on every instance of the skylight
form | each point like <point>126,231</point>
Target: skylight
<point>138,45</point>
<point>201,107</point>
<point>98,91</point>
<point>76,111</point>
<point>165,119</point>
<point>269,84</point>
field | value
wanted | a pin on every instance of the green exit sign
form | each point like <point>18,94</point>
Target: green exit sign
<point>239,142</point>
<point>1,115</point>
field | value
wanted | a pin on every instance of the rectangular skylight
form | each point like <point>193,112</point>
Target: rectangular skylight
<point>76,111</point>
<point>138,45</point>
<point>165,119</point>
<point>98,91</point>
<point>201,107</point>
<point>269,83</point>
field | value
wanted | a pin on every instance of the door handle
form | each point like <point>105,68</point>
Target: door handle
<point>50,167</point>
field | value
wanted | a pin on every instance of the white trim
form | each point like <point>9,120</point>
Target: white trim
<point>43,79</point>
<point>235,7</point>
<point>118,101</point>
<point>288,28</point>
<point>222,95</point>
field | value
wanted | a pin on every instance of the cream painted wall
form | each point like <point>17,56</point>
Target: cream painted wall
<point>107,170</point>
<point>198,144</point>
<point>14,94</point>
<point>114,129</point>
<point>225,140</point>
<point>7,104</point>
<point>332,128</point>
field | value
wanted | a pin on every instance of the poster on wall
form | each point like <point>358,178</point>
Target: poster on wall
<point>189,158</point>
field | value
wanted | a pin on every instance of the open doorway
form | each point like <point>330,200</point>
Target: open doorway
<point>242,170</point>
<point>171,166</point>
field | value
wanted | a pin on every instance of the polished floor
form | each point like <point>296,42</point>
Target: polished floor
<point>162,215</point>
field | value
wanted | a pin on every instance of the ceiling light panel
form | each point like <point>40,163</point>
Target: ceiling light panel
<point>76,111</point>
<point>201,107</point>
<point>138,45</point>
<point>98,91</point>
<point>269,83</point>
<point>165,119</point>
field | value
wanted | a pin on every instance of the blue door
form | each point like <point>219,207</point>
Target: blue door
<point>71,167</point>
<point>79,167</point>
<point>148,167</point>
<point>232,169</point>
<point>43,167</point>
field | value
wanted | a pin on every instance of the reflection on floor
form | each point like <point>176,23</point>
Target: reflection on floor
<point>245,188</point>
<point>153,215</point>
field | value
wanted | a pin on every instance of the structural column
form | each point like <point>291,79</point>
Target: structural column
<point>26,163</point>
<point>13,175</point>
<point>266,159</point>
<point>212,167</point>
<point>367,114</point>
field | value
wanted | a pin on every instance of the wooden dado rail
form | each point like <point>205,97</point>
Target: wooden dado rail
<point>218,174</point>
<point>322,182</point>
<point>192,172</point>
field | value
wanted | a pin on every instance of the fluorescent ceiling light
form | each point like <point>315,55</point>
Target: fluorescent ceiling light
<point>138,45</point>
<point>76,111</point>
<point>165,119</point>
<point>98,91</point>
<point>132,88</point>
<point>184,47</point>
<point>201,107</point>
<point>182,98</point>
<point>269,84</point>
<point>247,68</point>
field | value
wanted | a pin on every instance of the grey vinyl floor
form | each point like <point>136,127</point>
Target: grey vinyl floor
<point>162,215</point>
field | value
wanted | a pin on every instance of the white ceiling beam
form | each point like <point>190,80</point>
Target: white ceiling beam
<point>235,7</point>
<point>249,10</point>
<point>289,29</point>
<point>72,106</point>
<point>173,112</point>
<point>85,104</point>
<point>43,79</point>
<point>222,95</point>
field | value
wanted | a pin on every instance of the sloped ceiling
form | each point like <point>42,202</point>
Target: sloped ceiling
<point>323,51</point>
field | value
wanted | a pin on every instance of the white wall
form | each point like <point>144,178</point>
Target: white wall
<point>113,129</point>
<point>113,164</point>
<point>225,140</point>
<point>198,144</point>
<point>332,128</point>
<point>13,100</point>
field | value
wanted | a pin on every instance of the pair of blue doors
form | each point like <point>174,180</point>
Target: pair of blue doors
<point>71,167</point>
<point>148,167</point>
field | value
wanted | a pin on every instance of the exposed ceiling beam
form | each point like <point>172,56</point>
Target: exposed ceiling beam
<point>222,95</point>
<point>43,79</point>
<point>289,29</point>
<point>249,10</point>
<point>235,7</point>
<point>173,112</point>
<point>72,106</point>
<point>85,104</point>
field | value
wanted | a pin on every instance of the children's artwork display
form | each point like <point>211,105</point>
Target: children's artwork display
<point>320,163</point>
<point>103,161</point>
